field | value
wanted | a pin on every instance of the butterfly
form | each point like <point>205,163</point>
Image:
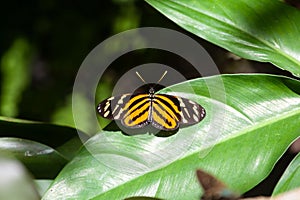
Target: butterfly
<point>162,111</point>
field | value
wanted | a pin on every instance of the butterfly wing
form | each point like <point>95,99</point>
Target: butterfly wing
<point>191,112</point>
<point>132,110</point>
<point>136,111</point>
<point>165,112</point>
<point>169,112</point>
<point>112,108</point>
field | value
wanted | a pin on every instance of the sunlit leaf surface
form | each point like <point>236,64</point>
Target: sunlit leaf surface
<point>250,122</point>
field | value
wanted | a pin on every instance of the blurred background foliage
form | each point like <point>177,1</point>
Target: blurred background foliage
<point>43,44</point>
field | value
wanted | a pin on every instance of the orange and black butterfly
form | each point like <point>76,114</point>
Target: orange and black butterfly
<point>162,111</point>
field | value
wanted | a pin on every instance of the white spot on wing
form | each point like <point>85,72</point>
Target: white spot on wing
<point>191,102</point>
<point>183,119</point>
<point>111,98</point>
<point>117,106</point>
<point>202,113</point>
<point>121,99</point>
<point>106,106</point>
<point>106,114</point>
<point>195,118</point>
<point>119,114</point>
<point>181,104</point>
<point>195,108</point>
<point>187,112</point>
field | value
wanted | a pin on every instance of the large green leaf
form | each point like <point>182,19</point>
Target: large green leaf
<point>239,141</point>
<point>43,148</point>
<point>290,178</point>
<point>65,139</point>
<point>41,160</point>
<point>259,30</point>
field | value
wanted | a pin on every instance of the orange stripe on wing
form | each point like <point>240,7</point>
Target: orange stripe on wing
<point>174,106</point>
<point>161,117</point>
<point>162,121</point>
<point>130,121</point>
<point>133,100</point>
<point>168,110</point>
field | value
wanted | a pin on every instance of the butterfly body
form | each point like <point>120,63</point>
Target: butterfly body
<point>162,111</point>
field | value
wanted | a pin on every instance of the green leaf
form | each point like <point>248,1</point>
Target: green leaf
<point>15,71</point>
<point>43,148</point>
<point>62,138</point>
<point>15,182</point>
<point>41,160</point>
<point>290,178</point>
<point>250,122</point>
<point>142,198</point>
<point>250,29</point>
<point>42,185</point>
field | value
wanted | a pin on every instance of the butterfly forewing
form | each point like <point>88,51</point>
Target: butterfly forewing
<point>136,111</point>
<point>191,112</point>
<point>113,107</point>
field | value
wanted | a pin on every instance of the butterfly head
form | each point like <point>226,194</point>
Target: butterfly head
<point>151,91</point>
<point>151,88</point>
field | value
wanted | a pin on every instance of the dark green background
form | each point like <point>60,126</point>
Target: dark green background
<point>58,35</point>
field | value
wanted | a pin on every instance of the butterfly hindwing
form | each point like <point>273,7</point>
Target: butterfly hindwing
<point>165,112</point>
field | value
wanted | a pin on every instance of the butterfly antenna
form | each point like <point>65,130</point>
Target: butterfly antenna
<point>140,77</point>
<point>162,76</point>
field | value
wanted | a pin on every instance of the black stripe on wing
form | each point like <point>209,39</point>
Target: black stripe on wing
<point>166,112</point>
